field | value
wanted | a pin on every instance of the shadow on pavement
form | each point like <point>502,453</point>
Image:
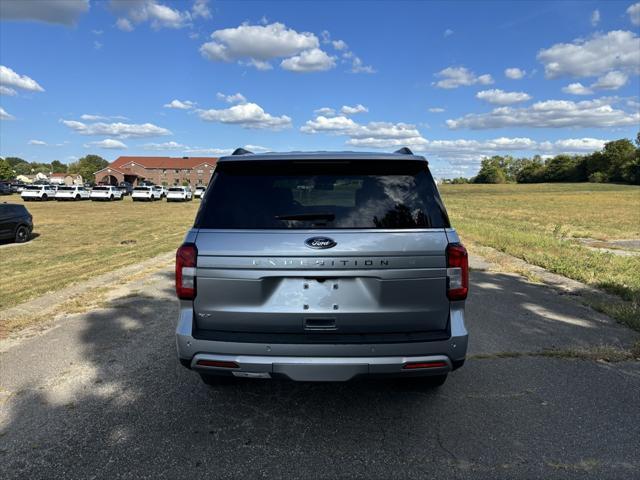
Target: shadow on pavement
<point>137,413</point>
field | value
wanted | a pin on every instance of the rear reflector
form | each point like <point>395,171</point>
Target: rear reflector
<point>217,363</point>
<point>414,365</point>
<point>457,272</point>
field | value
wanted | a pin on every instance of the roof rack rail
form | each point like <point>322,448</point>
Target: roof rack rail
<point>404,151</point>
<point>241,151</point>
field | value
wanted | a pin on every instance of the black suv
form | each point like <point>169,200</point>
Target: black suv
<point>16,223</point>
<point>5,188</point>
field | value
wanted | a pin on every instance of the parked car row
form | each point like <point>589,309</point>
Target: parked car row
<point>108,193</point>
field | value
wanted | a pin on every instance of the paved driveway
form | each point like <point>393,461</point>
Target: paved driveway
<point>101,395</point>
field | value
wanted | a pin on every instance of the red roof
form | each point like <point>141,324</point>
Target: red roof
<point>164,162</point>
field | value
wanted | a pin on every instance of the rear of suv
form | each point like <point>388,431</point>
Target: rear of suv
<point>322,267</point>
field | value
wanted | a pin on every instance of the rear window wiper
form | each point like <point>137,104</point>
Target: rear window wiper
<point>329,217</point>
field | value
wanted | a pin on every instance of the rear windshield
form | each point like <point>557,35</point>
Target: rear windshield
<point>101,188</point>
<point>176,189</point>
<point>33,187</point>
<point>64,189</point>
<point>141,189</point>
<point>324,195</point>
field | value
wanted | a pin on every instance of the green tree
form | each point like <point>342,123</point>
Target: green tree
<point>531,171</point>
<point>490,174</point>
<point>58,167</point>
<point>619,155</point>
<point>563,168</point>
<point>87,166</point>
<point>6,171</point>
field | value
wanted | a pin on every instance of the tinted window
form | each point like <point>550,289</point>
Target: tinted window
<point>290,195</point>
<point>32,187</point>
<point>141,189</point>
<point>66,189</point>
<point>176,190</point>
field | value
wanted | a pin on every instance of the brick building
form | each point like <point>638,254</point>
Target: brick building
<point>159,170</point>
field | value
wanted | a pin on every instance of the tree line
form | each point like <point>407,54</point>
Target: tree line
<point>617,162</point>
<point>11,167</point>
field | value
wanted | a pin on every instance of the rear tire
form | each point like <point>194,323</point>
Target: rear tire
<point>111,198</point>
<point>77,197</point>
<point>22,234</point>
<point>44,197</point>
<point>217,380</point>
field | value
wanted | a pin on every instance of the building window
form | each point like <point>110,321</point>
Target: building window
<point>177,171</point>
<point>200,171</point>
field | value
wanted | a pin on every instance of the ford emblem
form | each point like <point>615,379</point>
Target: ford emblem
<point>320,242</point>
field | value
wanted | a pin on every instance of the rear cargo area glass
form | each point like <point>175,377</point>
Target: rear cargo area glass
<point>322,195</point>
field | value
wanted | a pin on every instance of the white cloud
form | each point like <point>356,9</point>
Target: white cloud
<point>92,118</point>
<point>257,44</point>
<point>339,44</point>
<point>357,66</point>
<point>447,33</point>
<point>97,45</point>
<point>180,105</point>
<point>634,13</point>
<point>616,50</point>
<point>247,115</point>
<point>611,81</point>
<point>325,111</point>
<point>500,97</point>
<point>97,32</point>
<point>9,78</point>
<point>577,89</point>
<point>454,77</point>
<point>595,17</point>
<point>372,135</point>
<point>124,25</point>
<point>314,60</point>
<point>159,15</point>
<point>117,129</point>
<point>164,146</point>
<point>7,91</point>
<point>514,73</point>
<point>359,108</point>
<point>37,142</point>
<point>436,110</point>
<point>63,12</point>
<point>200,9</point>
<point>108,143</point>
<point>235,98</point>
<point>4,115</point>
<point>550,114</point>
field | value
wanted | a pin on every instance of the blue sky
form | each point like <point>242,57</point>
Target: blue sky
<point>455,81</point>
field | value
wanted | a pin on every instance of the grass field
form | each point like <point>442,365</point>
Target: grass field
<point>542,223</point>
<point>538,223</point>
<point>79,240</point>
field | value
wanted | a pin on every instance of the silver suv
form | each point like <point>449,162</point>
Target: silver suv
<point>322,267</point>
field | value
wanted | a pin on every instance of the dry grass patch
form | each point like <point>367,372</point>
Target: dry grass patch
<point>80,240</point>
<point>540,224</point>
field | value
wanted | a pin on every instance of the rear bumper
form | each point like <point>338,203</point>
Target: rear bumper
<point>321,362</point>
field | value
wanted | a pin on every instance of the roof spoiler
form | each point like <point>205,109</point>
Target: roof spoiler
<point>404,151</point>
<point>241,151</point>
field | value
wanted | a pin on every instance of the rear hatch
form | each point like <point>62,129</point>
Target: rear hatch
<point>346,247</point>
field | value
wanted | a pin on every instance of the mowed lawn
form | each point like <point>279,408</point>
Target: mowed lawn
<point>541,223</point>
<point>79,240</point>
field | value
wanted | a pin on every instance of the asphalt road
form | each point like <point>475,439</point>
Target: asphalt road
<point>101,395</point>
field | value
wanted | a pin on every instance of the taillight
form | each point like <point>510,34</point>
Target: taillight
<point>457,272</point>
<point>186,262</point>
